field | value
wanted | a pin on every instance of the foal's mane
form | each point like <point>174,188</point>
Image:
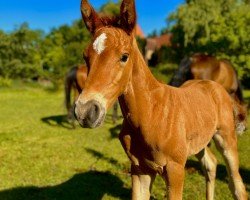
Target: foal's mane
<point>116,22</point>
<point>112,21</point>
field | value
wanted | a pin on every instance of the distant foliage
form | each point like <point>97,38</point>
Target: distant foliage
<point>63,48</point>
<point>218,27</point>
<point>20,54</point>
<point>5,82</point>
<point>32,54</point>
<point>111,8</point>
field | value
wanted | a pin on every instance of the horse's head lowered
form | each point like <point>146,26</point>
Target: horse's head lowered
<point>109,59</point>
<point>183,73</point>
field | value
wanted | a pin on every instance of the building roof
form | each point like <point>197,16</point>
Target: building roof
<point>159,41</point>
<point>139,32</point>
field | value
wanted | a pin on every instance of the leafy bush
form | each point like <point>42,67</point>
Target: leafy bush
<point>5,82</point>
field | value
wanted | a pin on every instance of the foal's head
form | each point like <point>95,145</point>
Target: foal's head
<point>109,60</point>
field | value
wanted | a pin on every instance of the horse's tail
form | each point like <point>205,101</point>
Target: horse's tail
<point>240,117</point>
<point>68,83</point>
<point>67,88</point>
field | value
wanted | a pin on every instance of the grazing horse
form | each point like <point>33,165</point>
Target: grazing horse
<point>202,66</point>
<point>75,80</point>
<point>163,125</point>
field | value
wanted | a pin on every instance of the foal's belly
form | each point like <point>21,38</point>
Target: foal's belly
<point>197,143</point>
<point>199,137</point>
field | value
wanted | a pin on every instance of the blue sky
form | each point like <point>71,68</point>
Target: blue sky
<point>46,14</point>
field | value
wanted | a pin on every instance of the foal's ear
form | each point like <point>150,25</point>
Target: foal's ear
<point>90,17</point>
<point>128,15</point>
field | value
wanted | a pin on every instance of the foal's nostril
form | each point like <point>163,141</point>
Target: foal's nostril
<point>93,112</point>
<point>89,114</point>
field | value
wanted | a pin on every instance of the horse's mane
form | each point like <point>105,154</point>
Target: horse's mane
<point>201,57</point>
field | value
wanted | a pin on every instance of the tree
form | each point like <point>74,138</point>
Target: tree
<point>219,27</point>
<point>111,8</point>
<point>63,47</point>
<point>20,52</point>
<point>30,54</point>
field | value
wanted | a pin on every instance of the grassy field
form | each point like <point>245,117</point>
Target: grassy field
<point>43,158</point>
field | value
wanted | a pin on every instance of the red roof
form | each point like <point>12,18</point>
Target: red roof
<point>139,32</point>
<point>159,41</point>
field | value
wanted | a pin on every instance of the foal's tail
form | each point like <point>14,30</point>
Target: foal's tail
<point>240,117</point>
<point>67,88</point>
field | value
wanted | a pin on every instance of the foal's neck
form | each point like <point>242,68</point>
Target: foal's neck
<point>138,96</point>
<point>142,78</point>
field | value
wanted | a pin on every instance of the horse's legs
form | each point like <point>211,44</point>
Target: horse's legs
<point>174,178</point>
<point>115,112</point>
<point>141,183</point>
<point>71,116</point>
<point>209,164</point>
<point>227,145</point>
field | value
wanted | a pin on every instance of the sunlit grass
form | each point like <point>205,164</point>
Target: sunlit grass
<point>41,157</point>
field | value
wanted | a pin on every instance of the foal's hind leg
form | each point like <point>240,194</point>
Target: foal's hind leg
<point>209,164</point>
<point>226,143</point>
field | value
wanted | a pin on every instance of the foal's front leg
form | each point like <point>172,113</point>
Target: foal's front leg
<point>174,178</point>
<point>142,181</point>
<point>125,139</point>
<point>142,178</point>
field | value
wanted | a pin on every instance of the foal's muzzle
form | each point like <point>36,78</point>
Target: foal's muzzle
<point>90,114</point>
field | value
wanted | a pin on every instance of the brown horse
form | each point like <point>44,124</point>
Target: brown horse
<point>206,67</point>
<point>202,66</point>
<point>75,80</point>
<point>162,125</point>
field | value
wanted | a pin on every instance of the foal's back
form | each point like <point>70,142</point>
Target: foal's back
<point>203,107</point>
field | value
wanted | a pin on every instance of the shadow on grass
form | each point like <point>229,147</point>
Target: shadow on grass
<point>62,121</point>
<point>114,131</point>
<point>58,120</point>
<point>109,119</point>
<point>192,166</point>
<point>92,185</point>
<point>100,156</point>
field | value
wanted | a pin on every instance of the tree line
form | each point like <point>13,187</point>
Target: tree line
<point>31,54</point>
<point>217,27</point>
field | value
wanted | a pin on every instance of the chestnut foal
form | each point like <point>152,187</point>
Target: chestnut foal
<point>162,125</point>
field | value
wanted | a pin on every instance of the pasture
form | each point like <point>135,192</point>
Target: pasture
<point>42,157</point>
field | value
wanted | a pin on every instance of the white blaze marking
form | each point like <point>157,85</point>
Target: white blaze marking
<point>98,44</point>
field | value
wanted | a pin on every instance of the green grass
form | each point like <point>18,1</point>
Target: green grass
<point>42,158</point>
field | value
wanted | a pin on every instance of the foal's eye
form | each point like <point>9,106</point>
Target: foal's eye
<point>124,58</point>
